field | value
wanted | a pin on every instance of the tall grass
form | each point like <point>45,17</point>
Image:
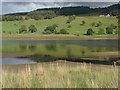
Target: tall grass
<point>62,76</point>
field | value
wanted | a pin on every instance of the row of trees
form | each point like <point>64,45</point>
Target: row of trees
<point>11,18</point>
<point>39,15</point>
<point>31,29</point>
<point>109,30</point>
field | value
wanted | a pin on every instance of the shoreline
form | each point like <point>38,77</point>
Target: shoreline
<point>58,38</point>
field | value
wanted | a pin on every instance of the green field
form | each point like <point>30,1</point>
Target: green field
<point>11,28</point>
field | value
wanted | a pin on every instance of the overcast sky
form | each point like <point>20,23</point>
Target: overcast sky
<point>12,6</point>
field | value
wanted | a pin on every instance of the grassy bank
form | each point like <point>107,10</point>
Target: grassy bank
<point>62,75</point>
<point>54,37</point>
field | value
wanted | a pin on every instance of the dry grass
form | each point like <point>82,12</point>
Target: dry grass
<point>62,76</point>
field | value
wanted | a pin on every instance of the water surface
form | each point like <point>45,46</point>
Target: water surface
<point>50,50</point>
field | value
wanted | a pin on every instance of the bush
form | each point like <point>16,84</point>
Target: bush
<point>69,26</point>
<point>96,24</point>
<point>32,28</point>
<point>109,30</point>
<point>83,23</point>
<point>71,18</point>
<point>93,23</point>
<point>113,26</point>
<point>63,31</point>
<point>51,29</point>
<point>23,29</point>
<point>89,32</point>
<point>101,31</point>
<point>100,23</point>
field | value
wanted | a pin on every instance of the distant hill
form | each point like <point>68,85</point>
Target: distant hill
<point>78,10</point>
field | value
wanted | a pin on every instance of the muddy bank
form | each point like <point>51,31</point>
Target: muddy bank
<point>10,55</point>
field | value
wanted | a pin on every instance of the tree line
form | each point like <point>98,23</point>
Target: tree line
<point>50,13</point>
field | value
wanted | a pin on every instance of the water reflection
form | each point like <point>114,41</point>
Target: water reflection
<point>32,47</point>
<point>44,51</point>
<point>51,47</point>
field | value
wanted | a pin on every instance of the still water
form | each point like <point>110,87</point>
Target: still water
<point>50,50</point>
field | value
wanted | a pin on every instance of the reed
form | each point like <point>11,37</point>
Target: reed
<point>62,76</point>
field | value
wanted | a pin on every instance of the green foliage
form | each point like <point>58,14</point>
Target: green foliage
<point>109,30</point>
<point>116,31</point>
<point>63,31</point>
<point>101,31</point>
<point>32,28</point>
<point>39,15</point>
<point>23,29</point>
<point>113,26</point>
<point>11,18</point>
<point>90,31</point>
<point>96,24</point>
<point>27,18</point>
<point>69,26</point>
<point>71,18</point>
<point>50,29</point>
<point>83,23</point>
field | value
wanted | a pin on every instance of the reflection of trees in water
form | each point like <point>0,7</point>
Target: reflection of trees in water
<point>69,53</point>
<point>51,47</point>
<point>99,50</point>
<point>41,58</point>
<point>63,45</point>
<point>23,47</point>
<point>83,52</point>
<point>32,47</point>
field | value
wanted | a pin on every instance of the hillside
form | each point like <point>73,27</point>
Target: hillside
<point>78,10</point>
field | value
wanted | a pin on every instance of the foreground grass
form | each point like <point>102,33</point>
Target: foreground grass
<point>57,75</point>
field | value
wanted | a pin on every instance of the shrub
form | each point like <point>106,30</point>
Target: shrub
<point>100,23</point>
<point>23,29</point>
<point>83,23</point>
<point>69,26</point>
<point>109,30</point>
<point>71,18</point>
<point>96,24</point>
<point>113,26</point>
<point>63,31</point>
<point>51,29</point>
<point>89,32</point>
<point>3,31</point>
<point>93,23</point>
<point>32,28</point>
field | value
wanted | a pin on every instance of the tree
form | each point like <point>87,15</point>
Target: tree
<point>83,23</point>
<point>32,28</point>
<point>101,31</point>
<point>113,26</point>
<point>71,18</point>
<point>109,30</point>
<point>23,29</point>
<point>27,18</point>
<point>69,26</point>
<point>89,32</point>
<point>51,29</point>
<point>63,31</point>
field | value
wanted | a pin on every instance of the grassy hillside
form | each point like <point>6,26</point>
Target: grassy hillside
<point>13,26</point>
